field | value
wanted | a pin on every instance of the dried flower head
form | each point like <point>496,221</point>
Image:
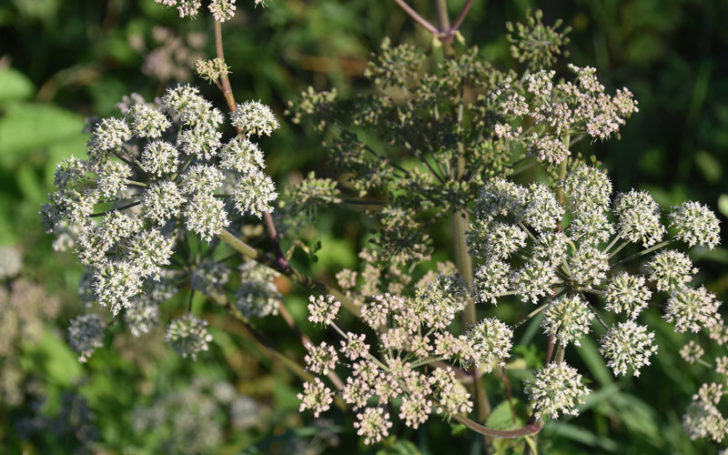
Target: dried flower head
<point>670,270</point>
<point>254,118</point>
<point>639,218</point>
<point>627,294</point>
<point>692,309</point>
<point>316,397</point>
<point>323,309</point>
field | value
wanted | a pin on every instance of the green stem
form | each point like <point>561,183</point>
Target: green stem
<point>532,314</point>
<point>619,248</point>
<point>647,251</point>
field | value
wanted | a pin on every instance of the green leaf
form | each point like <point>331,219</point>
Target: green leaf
<point>29,126</point>
<point>30,185</point>
<point>500,418</point>
<point>582,435</point>
<point>284,397</point>
<point>590,354</point>
<point>54,358</point>
<point>709,166</point>
<point>723,204</point>
<point>400,447</point>
<point>14,85</point>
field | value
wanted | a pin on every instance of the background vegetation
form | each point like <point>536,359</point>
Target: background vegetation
<point>63,61</point>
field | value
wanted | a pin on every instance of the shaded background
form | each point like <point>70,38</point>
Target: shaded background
<point>64,61</point>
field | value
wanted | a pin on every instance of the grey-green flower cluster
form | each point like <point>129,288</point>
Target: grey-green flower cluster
<point>154,176</point>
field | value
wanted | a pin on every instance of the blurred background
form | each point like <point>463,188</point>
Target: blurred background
<point>61,62</point>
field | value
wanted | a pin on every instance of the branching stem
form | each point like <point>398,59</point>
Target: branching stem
<point>227,92</point>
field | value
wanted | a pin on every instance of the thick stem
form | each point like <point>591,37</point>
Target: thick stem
<point>509,393</point>
<point>465,267</point>
<point>442,17</point>
<point>530,429</point>
<point>460,18</point>
<point>227,92</point>
<point>417,18</point>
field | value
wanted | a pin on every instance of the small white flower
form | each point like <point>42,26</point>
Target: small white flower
<point>696,224</point>
<point>323,309</point>
<point>628,345</point>
<point>556,389</point>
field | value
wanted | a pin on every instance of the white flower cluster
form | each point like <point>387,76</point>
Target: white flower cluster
<point>557,389</point>
<point>703,418</point>
<point>152,176</point>
<point>556,109</point>
<point>221,10</point>
<point>413,335</point>
<point>565,258</point>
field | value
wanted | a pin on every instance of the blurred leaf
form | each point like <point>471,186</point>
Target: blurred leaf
<point>14,85</point>
<point>27,126</point>
<point>285,397</point>
<point>637,416</point>
<point>723,204</point>
<point>581,435</point>
<point>590,354</point>
<point>399,447</point>
<point>30,185</point>
<point>709,166</point>
<point>54,358</point>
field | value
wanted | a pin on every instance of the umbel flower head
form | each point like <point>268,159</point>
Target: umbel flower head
<point>221,10</point>
<point>153,176</point>
<point>398,370</point>
<point>535,257</point>
<point>557,389</point>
